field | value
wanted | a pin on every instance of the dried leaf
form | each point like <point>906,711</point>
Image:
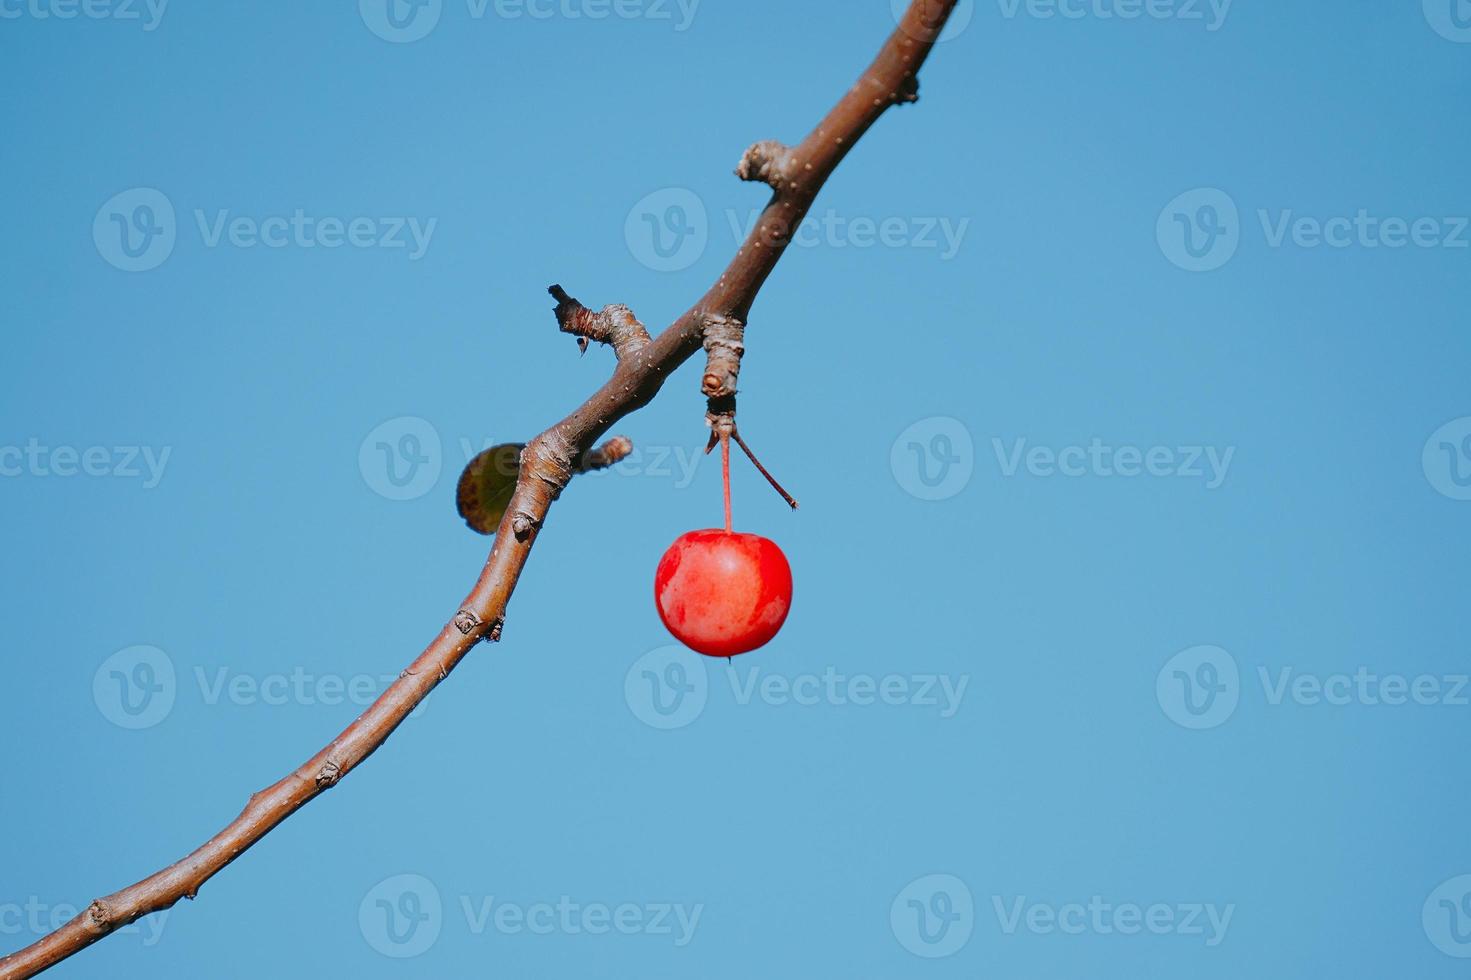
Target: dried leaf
<point>486,486</point>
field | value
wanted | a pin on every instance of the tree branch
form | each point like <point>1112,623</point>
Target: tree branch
<point>548,462</point>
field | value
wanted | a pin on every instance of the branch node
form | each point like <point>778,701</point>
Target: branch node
<point>522,524</point>
<point>720,417</point>
<point>765,162</point>
<point>495,629</point>
<point>99,917</point>
<point>724,346</point>
<point>328,775</point>
<point>466,622</point>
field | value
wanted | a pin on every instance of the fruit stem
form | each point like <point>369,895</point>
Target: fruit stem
<point>791,501</point>
<point>725,475</point>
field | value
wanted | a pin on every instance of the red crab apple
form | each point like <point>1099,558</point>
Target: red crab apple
<point>722,593</point>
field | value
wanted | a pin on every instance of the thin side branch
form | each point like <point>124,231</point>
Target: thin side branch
<point>547,464</point>
<point>614,325</point>
<point>610,453</point>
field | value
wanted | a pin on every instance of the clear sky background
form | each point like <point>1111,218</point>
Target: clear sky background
<point>1123,381</point>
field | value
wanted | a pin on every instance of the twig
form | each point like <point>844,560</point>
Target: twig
<point>791,501</point>
<point>796,174</point>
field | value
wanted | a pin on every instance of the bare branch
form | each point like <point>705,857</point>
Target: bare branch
<point>547,464</point>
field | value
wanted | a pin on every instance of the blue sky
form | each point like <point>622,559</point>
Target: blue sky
<point>1122,380</point>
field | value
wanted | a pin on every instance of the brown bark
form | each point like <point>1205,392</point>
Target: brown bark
<point>548,462</point>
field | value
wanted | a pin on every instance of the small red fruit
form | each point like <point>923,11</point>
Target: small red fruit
<point>722,593</point>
